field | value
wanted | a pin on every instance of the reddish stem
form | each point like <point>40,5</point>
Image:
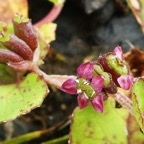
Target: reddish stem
<point>51,16</point>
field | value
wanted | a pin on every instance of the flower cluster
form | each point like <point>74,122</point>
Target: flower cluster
<point>95,80</point>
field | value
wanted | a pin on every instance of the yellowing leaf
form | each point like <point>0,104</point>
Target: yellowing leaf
<point>135,135</point>
<point>21,97</point>
<point>138,101</point>
<point>8,8</point>
<point>90,127</point>
<point>47,31</point>
<point>7,74</point>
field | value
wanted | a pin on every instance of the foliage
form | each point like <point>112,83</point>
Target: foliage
<point>100,85</point>
<point>137,97</point>
<point>89,126</point>
<point>21,97</point>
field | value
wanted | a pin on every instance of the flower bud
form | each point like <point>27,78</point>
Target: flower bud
<point>98,69</point>
<point>24,30</point>
<point>113,65</point>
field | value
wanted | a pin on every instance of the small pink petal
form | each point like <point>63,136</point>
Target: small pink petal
<point>118,52</point>
<point>97,83</point>
<point>69,86</point>
<point>82,101</point>
<point>125,81</point>
<point>85,70</point>
<point>98,103</point>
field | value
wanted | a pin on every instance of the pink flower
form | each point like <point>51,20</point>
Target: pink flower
<point>118,52</point>
<point>93,81</point>
<point>125,81</point>
<point>97,83</point>
<point>69,86</point>
<point>98,103</point>
<point>87,86</point>
<point>85,70</point>
<point>97,99</point>
<point>82,101</point>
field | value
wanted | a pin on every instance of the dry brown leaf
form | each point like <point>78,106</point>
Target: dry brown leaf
<point>135,60</point>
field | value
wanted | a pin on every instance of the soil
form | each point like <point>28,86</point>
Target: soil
<point>80,36</point>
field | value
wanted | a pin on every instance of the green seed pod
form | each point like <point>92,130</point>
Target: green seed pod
<point>24,30</point>
<point>84,86</point>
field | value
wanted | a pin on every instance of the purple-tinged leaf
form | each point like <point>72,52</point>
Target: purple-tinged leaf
<point>119,53</point>
<point>18,46</point>
<point>69,86</point>
<point>97,83</point>
<point>9,56</point>
<point>125,81</point>
<point>82,101</point>
<point>24,30</point>
<point>98,103</point>
<point>21,66</point>
<point>85,70</point>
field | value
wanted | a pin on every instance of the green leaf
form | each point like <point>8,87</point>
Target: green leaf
<point>7,75</point>
<point>138,101</point>
<point>90,127</point>
<point>20,98</point>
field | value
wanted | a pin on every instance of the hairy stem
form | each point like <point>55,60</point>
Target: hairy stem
<point>53,80</point>
<point>124,101</point>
